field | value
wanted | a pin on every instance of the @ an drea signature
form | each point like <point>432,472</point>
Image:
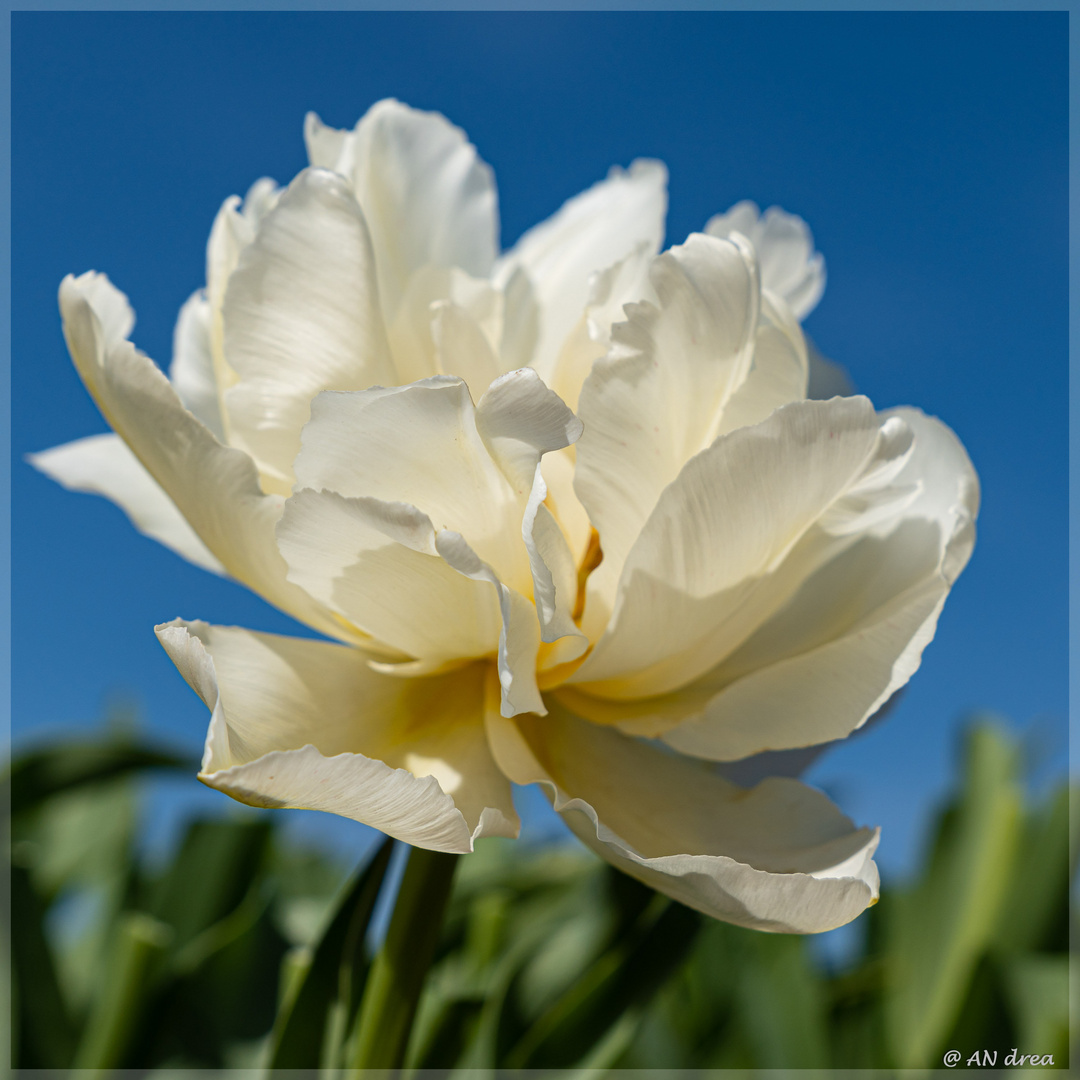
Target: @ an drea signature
<point>982,1059</point>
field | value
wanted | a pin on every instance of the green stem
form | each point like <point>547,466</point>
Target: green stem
<point>397,973</point>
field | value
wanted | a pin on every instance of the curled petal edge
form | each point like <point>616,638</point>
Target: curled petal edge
<point>413,809</point>
<point>717,885</point>
<point>722,888</point>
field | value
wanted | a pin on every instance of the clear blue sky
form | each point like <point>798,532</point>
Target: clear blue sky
<point>927,151</point>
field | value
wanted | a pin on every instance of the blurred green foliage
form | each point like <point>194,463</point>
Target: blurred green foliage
<point>243,949</point>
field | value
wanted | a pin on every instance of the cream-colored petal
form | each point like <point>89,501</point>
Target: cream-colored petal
<point>426,194</point>
<point>778,374</point>
<point>259,200</point>
<point>558,471</point>
<point>785,249</point>
<point>847,637</point>
<point>591,231</point>
<point>519,639</point>
<point>520,420</point>
<point>103,465</point>
<point>307,724</point>
<point>411,335</point>
<point>419,444</point>
<point>215,488</point>
<point>777,857</point>
<point>815,668</point>
<point>192,368</point>
<point>376,565</point>
<point>851,637</point>
<point>659,396</point>
<point>229,235</point>
<point>520,322</point>
<point>324,144</point>
<point>301,315</point>
<point>610,290</point>
<point>462,348</point>
<point>722,550</point>
<point>828,379</point>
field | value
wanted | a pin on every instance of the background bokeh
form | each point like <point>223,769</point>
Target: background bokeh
<point>928,152</point>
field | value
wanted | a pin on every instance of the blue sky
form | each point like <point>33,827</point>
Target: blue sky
<point>928,152</point>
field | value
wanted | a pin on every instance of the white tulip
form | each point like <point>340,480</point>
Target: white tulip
<point>698,567</point>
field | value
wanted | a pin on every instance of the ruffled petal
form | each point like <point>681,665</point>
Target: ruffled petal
<point>462,348</point>
<point>591,231</point>
<point>733,537</point>
<point>375,564</point>
<point>449,323</point>
<point>468,482</point>
<point>308,724</point>
<point>215,488</point>
<point>301,315</point>
<point>779,372</point>
<point>519,638</point>
<point>520,420</point>
<point>777,857</point>
<point>785,249</point>
<point>659,396</point>
<point>852,632</point>
<point>610,290</point>
<point>426,194</point>
<point>103,465</point>
<point>418,444</point>
<point>192,368</point>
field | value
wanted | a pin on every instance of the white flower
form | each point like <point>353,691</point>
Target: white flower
<point>700,566</point>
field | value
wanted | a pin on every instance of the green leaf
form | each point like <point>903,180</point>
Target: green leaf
<point>47,1032</point>
<point>1035,912</point>
<point>937,931</point>
<point>335,974</point>
<point>1038,987</point>
<point>210,875</point>
<point>781,1004</point>
<point>37,775</point>
<point>625,976</point>
<point>79,837</point>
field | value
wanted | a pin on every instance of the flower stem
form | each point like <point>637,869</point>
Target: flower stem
<point>397,973</point>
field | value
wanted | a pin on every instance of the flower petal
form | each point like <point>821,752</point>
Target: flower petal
<point>659,396</point>
<point>308,724</point>
<point>215,488</point>
<point>778,857</point>
<point>519,639</point>
<point>375,563</point>
<point>591,231</point>
<point>388,573</point>
<point>779,373</point>
<point>324,144</point>
<point>520,420</point>
<point>411,332</point>
<point>785,249</point>
<point>712,562</point>
<point>426,194</point>
<point>462,348</point>
<point>846,639</point>
<point>103,465</point>
<point>610,291</point>
<point>417,444</point>
<point>301,315</point>
<point>192,368</point>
